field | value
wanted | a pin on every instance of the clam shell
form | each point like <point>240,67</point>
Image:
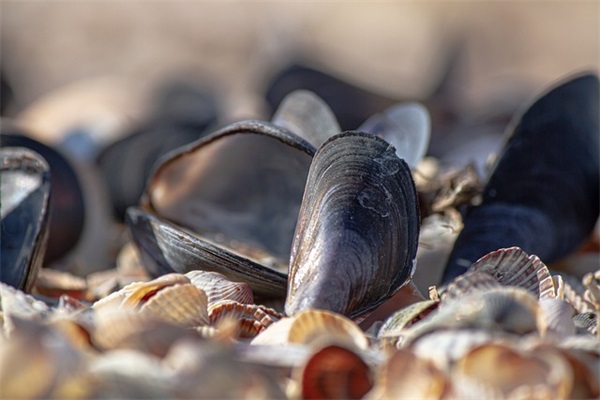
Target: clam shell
<point>25,192</point>
<point>217,287</point>
<point>356,238</point>
<point>406,126</point>
<point>308,116</point>
<point>543,194</point>
<point>468,283</point>
<point>406,376</point>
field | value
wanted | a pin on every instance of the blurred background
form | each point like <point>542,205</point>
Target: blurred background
<point>82,75</point>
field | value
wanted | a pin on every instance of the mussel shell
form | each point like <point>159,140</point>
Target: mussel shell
<point>25,194</point>
<point>67,205</point>
<point>227,203</point>
<point>543,194</point>
<point>406,126</point>
<point>167,248</point>
<point>358,227</point>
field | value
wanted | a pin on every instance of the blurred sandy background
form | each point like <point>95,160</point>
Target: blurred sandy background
<point>506,50</point>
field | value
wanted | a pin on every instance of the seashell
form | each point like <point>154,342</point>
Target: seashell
<point>406,126</point>
<point>217,287</point>
<point>511,310</point>
<point>393,326</point>
<point>313,326</point>
<point>585,370</point>
<point>334,91</point>
<point>66,209</point>
<point>335,372</point>
<point>444,347</point>
<point>130,374</point>
<point>25,192</point>
<point>120,329</point>
<point>308,116</point>
<point>54,283</point>
<point>16,303</point>
<point>252,318</point>
<point>468,283</point>
<point>499,371</point>
<point>528,200</point>
<point>184,305</point>
<point>356,238</point>
<point>39,362</point>
<point>241,227</point>
<point>591,281</point>
<point>586,322</point>
<point>505,267</point>
<point>558,316</point>
<point>135,294</point>
<point>406,376</point>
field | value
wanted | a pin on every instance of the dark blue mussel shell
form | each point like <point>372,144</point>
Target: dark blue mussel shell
<point>25,193</point>
<point>543,194</point>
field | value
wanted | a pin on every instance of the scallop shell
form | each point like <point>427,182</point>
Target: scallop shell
<point>217,287</point>
<point>335,372</point>
<point>356,238</point>
<point>404,318</point>
<point>136,293</point>
<point>252,318</point>
<point>586,322</point>
<point>25,191</point>
<point>514,267</point>
<point>406,126</point>
<point>184,305</point>
<point>506,309</point>
<point>313,326</point>
<point>406,376</point>
<point>468,283</point>
<point>543,194</point>
<point>558,316</point>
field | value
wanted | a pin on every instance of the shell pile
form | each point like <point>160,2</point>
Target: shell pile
<point>279,260</point>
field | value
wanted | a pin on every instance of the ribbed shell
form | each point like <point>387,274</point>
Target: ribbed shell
<point>356,237</point>
<point>469,283</point>
<point>184,305</point>
<point>514,267</point>
<point>217,287</point>
<point>405,317</point>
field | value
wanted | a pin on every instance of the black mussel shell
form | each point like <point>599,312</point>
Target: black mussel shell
<point>543,193</point>
<point>233,198</point>
<point>25,193</point>
<point>67,207</point>
<point>356,238</point>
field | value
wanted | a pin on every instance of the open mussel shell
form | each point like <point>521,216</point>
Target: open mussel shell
<point>66,208</point>
<point>543,193</point>
<point>24,194</point>
<point>406,126</point>
<point>356,238</point>
<point>306,114</point>
<point>227,203</point>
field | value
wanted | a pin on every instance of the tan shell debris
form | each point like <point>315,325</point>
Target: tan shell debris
<point>252,318</point>
<point>217,287</point>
